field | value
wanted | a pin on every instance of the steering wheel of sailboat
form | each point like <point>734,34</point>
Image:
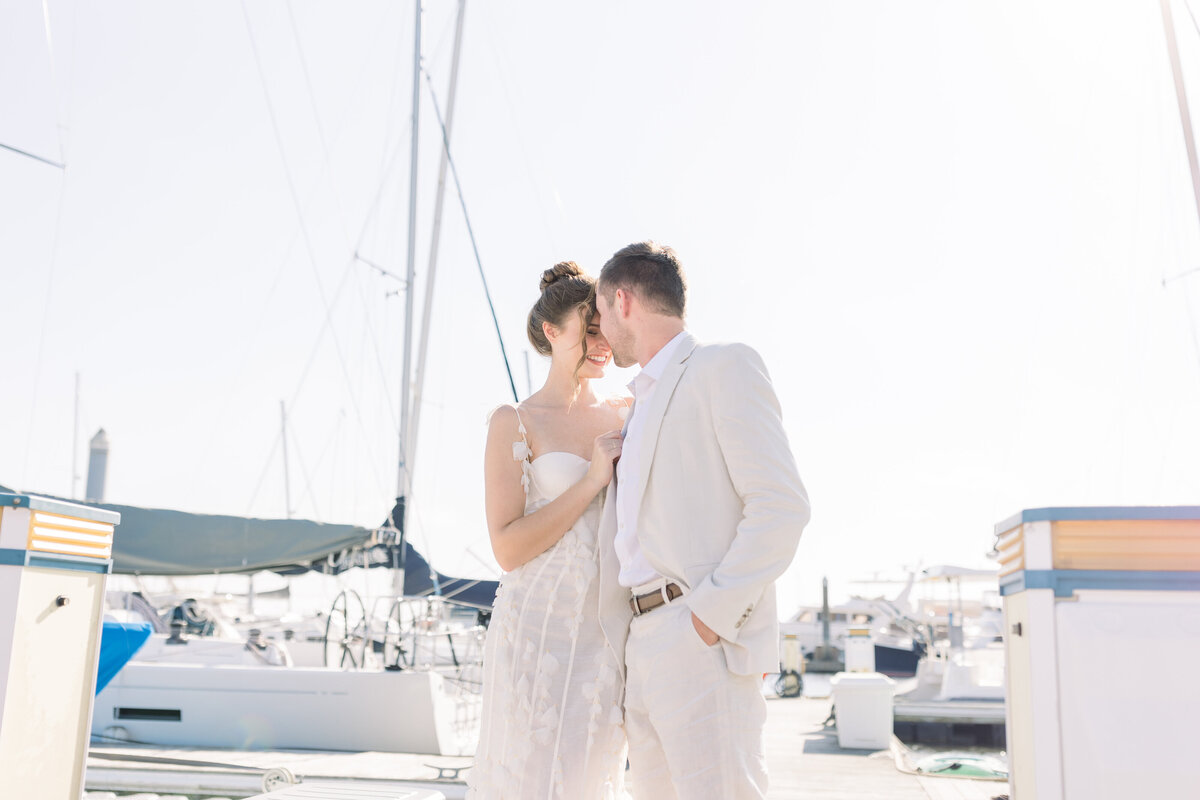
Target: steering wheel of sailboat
<point>400,636</point>
<point>347,631</point>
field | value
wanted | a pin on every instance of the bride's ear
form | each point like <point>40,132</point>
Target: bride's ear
<point>550,332</point>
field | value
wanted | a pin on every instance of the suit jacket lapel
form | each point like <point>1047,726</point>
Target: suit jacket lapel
<point>658,408</point>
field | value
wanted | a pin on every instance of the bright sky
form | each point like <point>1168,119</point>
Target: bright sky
<point>945,226</point>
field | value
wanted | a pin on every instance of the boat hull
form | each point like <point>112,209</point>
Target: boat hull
<point>253,708</point>
<point>896,662</point>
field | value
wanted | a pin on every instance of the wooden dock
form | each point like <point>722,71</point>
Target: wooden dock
<point>803,757</point>
<point>805,762</point>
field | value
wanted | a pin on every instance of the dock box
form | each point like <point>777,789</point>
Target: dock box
<point>862,702</point>
<point>54,560</point>
<point>1102,650</point>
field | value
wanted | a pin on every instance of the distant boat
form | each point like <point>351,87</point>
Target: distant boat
<point>898,662</point>
<point>898,639</point>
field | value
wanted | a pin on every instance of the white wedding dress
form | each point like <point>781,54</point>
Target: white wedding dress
<point>551,723</point>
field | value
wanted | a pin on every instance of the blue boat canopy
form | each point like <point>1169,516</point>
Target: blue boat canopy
<point>157,541</point>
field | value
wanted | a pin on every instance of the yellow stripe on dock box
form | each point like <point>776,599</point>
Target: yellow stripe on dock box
<point>1010,550</point>
<point>1170,545</point>
<point>1012,560</point>
<point>57,533</point>
<point>56,544</point>
<point>83,545</point>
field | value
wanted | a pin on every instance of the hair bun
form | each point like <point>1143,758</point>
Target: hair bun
<point>563,269</point>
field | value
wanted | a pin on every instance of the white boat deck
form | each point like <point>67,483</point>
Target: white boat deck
<point>240,773</point>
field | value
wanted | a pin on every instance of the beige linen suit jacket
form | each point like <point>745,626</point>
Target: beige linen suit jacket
<point>722,503</point>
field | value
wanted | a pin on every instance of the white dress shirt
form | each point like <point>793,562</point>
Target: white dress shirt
<point>635,569</point>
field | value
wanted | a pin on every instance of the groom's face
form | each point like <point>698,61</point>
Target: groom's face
<point>615,330</point>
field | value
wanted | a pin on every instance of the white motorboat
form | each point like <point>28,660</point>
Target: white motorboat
<point>957,694</point>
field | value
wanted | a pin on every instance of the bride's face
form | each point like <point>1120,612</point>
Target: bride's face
<point>598,352</point>
<point>570,344</point>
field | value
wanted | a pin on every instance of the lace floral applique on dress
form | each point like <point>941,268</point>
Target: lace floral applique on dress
<point>551,719</point>
<point>623,403</point>
<point>522,453</point>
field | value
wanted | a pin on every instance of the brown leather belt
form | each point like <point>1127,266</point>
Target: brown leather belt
<point>641,603</point>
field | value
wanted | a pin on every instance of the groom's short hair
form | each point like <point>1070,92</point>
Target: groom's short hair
<point>652,272</point>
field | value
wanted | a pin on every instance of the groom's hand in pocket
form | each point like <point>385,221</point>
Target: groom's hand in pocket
<point>707,634</point>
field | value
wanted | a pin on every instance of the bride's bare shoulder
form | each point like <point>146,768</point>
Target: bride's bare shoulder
<point>504,417</point>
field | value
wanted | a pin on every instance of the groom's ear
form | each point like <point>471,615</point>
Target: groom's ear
<point>622,302</point>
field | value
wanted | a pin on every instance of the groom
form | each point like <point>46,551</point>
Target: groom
<point>703,515</point>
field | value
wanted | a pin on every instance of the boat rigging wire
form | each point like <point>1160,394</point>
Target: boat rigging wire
<point>346,274</point>
<point>321,138</point>
<point>1185,116</point>
<point>369,330</point>
<point>312,498</point>
<point>328,324</point>
<point>37,370</point>
<point>471,233</point>
<point>275,281</point>
<point>499,72</point>
<point>379,269</point>
<point>328,170</point>
<point>1191,14</point>
<point>1183,274</point>
<point>53,75</point>
<point>291,183</point>
<point>302,230</point>
<point>34,156</point>
<point>386,160</point>
<point>262,475</point>
<point>1189,140</point>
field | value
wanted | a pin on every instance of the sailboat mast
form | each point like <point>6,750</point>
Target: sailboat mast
<point>435,239</point>
<point>1185,116</point>
<point>403,477</point>
<point>75,446</point>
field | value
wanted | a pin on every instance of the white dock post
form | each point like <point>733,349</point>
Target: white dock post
<point>54,561</point>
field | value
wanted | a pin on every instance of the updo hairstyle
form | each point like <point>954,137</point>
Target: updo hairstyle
<point>566,289</point>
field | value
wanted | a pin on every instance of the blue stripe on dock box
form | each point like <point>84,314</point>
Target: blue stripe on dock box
<point>77,510</point>
<point>23,558</point>
<point>1065,582</point>
<point>1097,513</point>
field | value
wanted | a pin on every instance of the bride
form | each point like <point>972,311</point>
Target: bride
<point>551,724</point>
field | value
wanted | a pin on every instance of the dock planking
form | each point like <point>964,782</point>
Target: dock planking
<point>804,761</point>
<point>803,758</point>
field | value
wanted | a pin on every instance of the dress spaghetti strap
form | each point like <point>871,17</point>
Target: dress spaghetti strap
<point>522,452</point>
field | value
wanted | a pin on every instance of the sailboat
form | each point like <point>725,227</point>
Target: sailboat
<point>269,705</point>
